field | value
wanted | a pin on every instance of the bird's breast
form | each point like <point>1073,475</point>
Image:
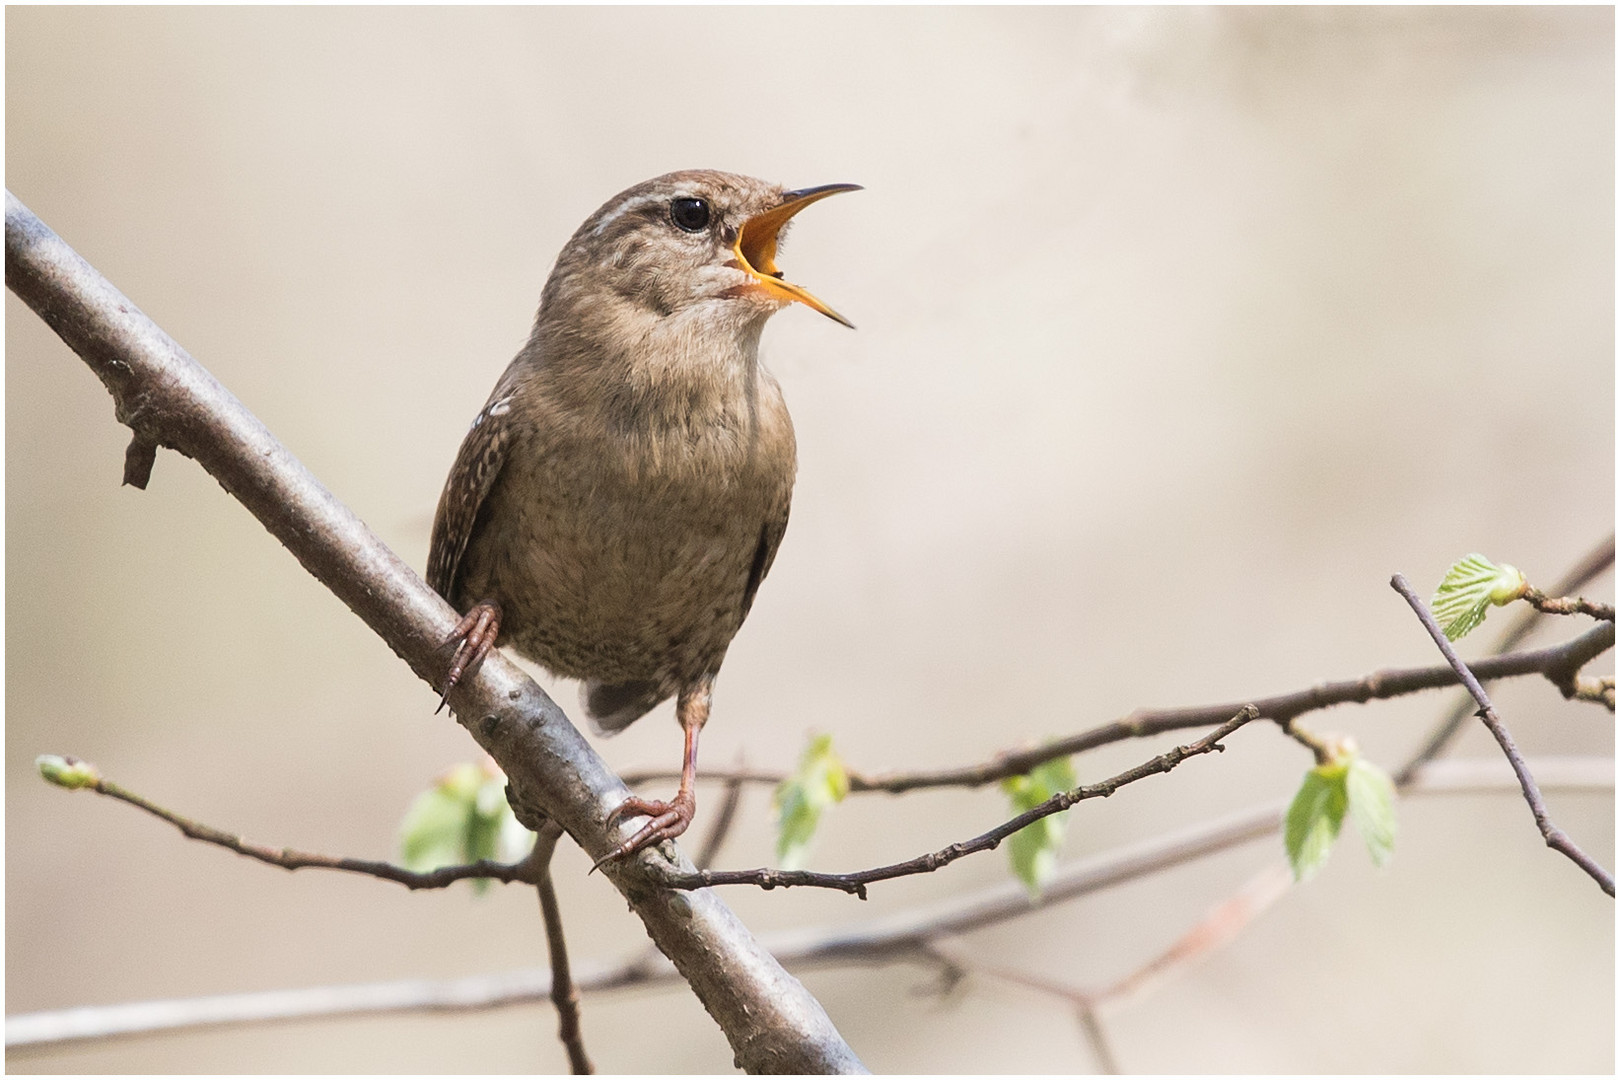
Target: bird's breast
<point>624,550</point>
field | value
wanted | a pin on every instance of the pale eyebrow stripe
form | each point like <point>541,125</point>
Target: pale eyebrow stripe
<point>634,203</point>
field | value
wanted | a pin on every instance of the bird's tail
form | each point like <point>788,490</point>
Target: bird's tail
<point>612,707</point>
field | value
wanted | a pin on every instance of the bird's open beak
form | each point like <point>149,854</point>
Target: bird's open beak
<point>756,247</point>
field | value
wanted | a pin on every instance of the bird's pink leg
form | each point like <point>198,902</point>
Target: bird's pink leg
<point>472,639</point>
<point>669,819</point>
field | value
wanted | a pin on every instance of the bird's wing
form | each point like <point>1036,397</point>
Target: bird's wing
<point>770,538</point>
<point>478,463</point>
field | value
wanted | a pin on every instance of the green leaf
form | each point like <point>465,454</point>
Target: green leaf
<point>462,818</point>
<point>1033,849</point>
<point>68,772</point>
<point>1470,587</point>
<point>820,781</point>
<point>1314,818</point>
<point>1372,807</point>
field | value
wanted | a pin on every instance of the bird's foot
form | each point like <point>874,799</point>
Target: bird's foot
<point>471,641</point>
<point>669,820</point>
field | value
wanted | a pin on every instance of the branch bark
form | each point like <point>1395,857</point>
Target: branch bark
<point>292,859</point>
<point>772,1023</point>
<point>1590,565</point>
<point>1556,838</point>
<point>857,881</point>
<point>880,940</point>
<point>1569,605</point>
<point>1557,663</point>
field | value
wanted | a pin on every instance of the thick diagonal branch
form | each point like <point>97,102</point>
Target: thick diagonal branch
<point>771,1021</point>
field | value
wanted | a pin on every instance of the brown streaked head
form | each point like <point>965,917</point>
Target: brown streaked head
<point>690,243</point>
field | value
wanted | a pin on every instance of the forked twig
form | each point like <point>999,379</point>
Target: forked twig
<point>1556,838</point>
<point>291,859</point>
<point>857,881</point>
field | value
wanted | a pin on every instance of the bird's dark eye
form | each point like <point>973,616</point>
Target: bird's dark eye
<point>690,214</point>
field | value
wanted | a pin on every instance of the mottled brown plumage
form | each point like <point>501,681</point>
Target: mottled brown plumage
<point>616,504</point>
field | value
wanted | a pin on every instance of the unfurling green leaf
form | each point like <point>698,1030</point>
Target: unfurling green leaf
<point>1033,849</point>
<point>1314,818</point>
<point>820,781</point>
<point>462,818</point>
<point>68,772</point>
<point>1372,807</point>
<point>1348,783</point>
<point>1470,587</point>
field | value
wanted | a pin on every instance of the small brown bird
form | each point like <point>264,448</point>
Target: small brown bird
<point>616,504</point>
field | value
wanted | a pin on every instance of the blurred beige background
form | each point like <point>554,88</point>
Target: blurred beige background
<point>1180,330</point>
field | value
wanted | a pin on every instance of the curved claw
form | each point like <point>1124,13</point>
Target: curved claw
<point>669,820</point>
<point>472,637</point>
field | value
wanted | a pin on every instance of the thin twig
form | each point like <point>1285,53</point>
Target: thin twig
<point>1224,923</point>
<point>1557,662</point>
<point>1599,559</point>
<point>1452,776</point>
<point>1555,837</point>
<point>890,937</point>
<point>1271,884</point>
<point>1558,658</point>
<point>290,859</point>
<point>564,994</point>
<point>1265,888</point>
<point>857,881</point>
<point>1568,605</point>
<point>1227,921</point>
